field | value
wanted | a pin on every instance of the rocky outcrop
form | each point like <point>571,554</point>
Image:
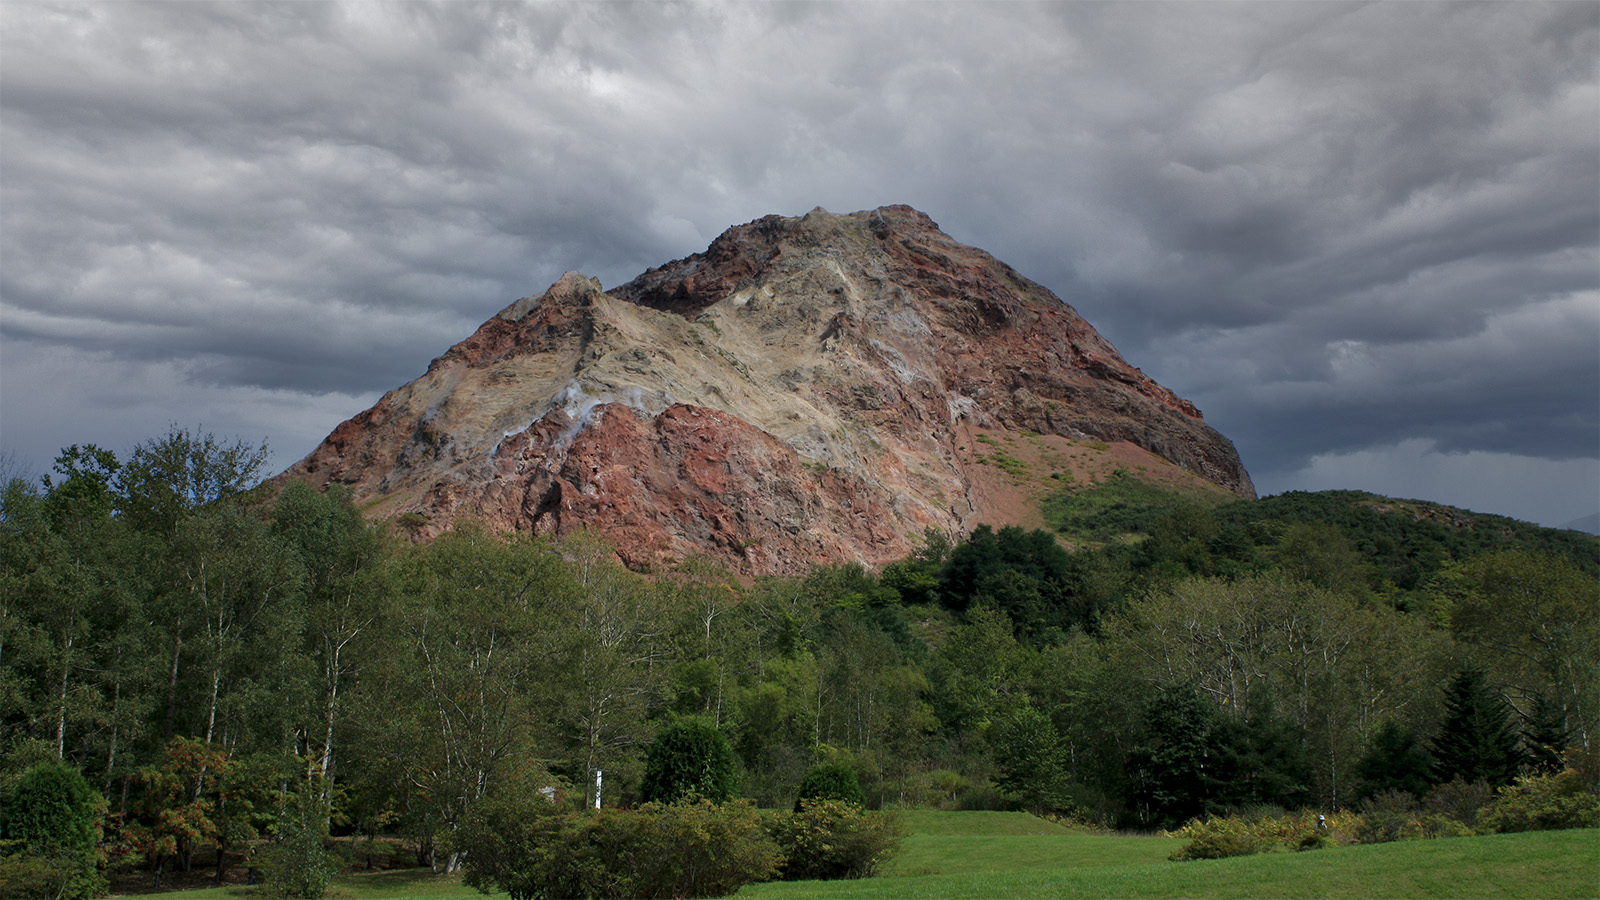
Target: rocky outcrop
<point>806,390</point>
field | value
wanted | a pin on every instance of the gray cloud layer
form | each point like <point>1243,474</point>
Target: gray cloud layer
<point>1361,237</point>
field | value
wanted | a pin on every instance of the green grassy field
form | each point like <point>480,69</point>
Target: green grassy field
<point>1011,855</point>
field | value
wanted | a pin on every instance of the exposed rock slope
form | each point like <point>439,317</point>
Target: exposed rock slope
<point>806,390</point>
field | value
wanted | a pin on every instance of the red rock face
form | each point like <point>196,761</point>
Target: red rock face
<point>805,391</point>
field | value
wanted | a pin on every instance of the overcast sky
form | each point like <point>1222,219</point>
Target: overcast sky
<point>1363,238</point>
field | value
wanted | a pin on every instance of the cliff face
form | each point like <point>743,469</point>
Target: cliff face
<point>807,390</point>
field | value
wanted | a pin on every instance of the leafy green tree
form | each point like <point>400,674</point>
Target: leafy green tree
<point>457,694</point>
<point>84,489</point>
<point>1535,615</point>
<point>72,584</point>
<point>611,653</point>
<point>1321,554</point>
<point>776,726</point>
<point>975,670</point>
<point>242,590</point>
<point>345,588</point>
<point>690,757</point>
<point>297,864</point>
<point>1040,569</point>
<point>1477,741</point>
<point>166,478</point>
<point>1029,758</point>
<point>1265,755</point>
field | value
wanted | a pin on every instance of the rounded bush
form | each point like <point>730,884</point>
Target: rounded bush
<point>52,810</point>
<point>1220,845</point>
<point>50,829</point>
<point>690,757</point>
<point>831,780</point>
<point>834,839</point>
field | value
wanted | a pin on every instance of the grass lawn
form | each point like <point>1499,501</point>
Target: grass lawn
<point>987,855</point>
<point>402,884</point>
<point>1011,855</point>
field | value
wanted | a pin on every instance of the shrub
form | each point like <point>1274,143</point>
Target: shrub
<point>1217,838</point>
<point>532,850</point>
<point>524,846</point>
<point>1236,835</point>
<point>1396,816</point>
<point>52,822</point>
<point>52,808</point>
<point>1314,840</point>
<point>1385,816</point>
<point>696,850</point>
<point>297,865</point>
<point>834,839</point>
<point>831,780</point>
<point>1459,800</point>
<point>1544,802</point>
<point>1219,846</point>
<point>689,757</point>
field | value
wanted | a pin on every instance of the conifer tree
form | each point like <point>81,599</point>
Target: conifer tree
<point>1395,761</point>
<point>1477,741</point>
<point>1546,736</point>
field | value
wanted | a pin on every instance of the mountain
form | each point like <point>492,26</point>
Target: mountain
<point>1589,524</point>
<point>813,389</point>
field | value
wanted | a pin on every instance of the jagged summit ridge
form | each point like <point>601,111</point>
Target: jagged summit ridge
<point>807,389</point>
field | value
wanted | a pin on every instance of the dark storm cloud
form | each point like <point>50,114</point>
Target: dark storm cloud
<point>1340,228</point>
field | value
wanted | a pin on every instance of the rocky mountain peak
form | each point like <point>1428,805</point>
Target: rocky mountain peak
<point>808,389</point>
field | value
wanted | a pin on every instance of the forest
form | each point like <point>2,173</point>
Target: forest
<point>215,655</point>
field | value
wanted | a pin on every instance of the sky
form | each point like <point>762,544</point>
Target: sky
<point>1363,238</point>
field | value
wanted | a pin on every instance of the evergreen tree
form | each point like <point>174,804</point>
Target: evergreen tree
<point>1477,741</point>
<point>1394,761</point>
<point>1175,769</point>
<point>1546,736</point>
<point>1266,757</point>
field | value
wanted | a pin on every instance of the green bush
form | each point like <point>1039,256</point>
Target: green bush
<point>1544,802</point>
<point>690,757</point>
<point>52,809</point>
<point>51,826</point>
<point>834,839</point>
<point>533,851</point>
<point>831,780</point>
<point>1219,846</point>
<point>523,845</point>
<point>1218,838</point>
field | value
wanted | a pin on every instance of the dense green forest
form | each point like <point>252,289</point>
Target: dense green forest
<point>209,652</point>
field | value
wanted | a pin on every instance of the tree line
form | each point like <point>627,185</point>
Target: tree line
<point>216,656</point>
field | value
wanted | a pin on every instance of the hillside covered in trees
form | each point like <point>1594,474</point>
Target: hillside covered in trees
<point>212,656</point>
